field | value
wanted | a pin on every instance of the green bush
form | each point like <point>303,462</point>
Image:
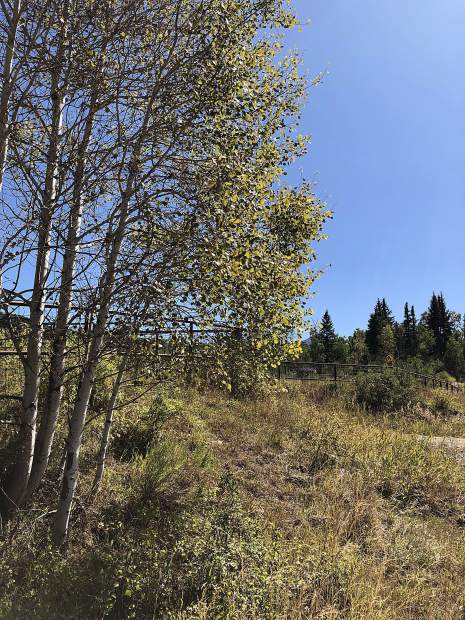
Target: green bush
<point>443,375</point>
<point>135,436</point>
<point>387,391</point>
<point>221,564</point>
<point>159,469</point>
<point>211,561</point>
<point>443,403</point>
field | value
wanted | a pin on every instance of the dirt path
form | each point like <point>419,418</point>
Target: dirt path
<point>454,445</point>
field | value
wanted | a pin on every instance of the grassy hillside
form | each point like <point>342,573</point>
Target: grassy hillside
<point>300,505</point>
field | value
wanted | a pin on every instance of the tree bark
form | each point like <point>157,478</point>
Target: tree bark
<point>7,85</point>
<point>105,438</point>
<point>57,363</point>
<point>81,404</point>
<point>18,477</point>
<point>77,422</point>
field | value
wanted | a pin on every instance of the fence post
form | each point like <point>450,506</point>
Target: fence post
<point>335,373</point>
<point>279,372</point>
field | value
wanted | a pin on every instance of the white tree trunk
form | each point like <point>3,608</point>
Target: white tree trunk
<point>77,422</point>
<point>81,404</point>
<point>105,438</point>
<point>18,477</point>
<point>57,363</point>
<point>13,18</point>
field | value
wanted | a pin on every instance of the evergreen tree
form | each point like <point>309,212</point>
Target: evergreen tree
<point>438,320</point>
<point>327,337</point>
<point>379,318</point>
<point>407,332</point>
<point>446,324</point>
<point>433,322</point>
<point>388,318</point>
<point>374,329</point>
<point>413,333</point>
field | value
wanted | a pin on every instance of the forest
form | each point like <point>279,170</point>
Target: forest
<point>433,343</point>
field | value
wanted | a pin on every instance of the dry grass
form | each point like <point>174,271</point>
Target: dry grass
<point>334,514</point>
<point>358,496</point>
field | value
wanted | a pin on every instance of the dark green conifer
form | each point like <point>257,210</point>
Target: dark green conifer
<point>409,333</point>
<point>405,333</point>
<point>413,333</point>
<point>374,329</point>
<point>379,318</point>
<point>388,318</point>
<point>438,320</point>
<point>327,337</point>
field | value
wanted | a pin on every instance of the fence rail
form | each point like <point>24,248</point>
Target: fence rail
<point>176,338</point>
<point>336,372</point>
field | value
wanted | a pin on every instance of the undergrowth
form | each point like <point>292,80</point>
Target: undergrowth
<point>299,506</point>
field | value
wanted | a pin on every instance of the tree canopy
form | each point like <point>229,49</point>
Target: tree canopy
<point>143,149</point>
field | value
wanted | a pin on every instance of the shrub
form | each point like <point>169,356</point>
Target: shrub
<point>214,562</point>
<point>387,391</point>
<point>320,446</point>
<point>443,403</point>
<point>134,437</point>
<point>159,469</point>
<point>445,376</point>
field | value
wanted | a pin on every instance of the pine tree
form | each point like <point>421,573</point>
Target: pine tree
<point>327,337</point>
<point>375,325</point>
<point>413,333</point>
<point>409,335</point>
<point>406,330</point>
<point>433,322</point>
<point>388,318</point>
<point>445,323</point>
<point>407,321</point>
<point>438,320</point>
<point>379,318</point>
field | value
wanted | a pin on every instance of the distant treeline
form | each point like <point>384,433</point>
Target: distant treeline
<point>435,341</point>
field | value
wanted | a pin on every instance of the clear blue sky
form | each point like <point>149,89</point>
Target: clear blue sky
<point>388,151</point>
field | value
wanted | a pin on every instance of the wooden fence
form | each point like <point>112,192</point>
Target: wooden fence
<point>335,372</point>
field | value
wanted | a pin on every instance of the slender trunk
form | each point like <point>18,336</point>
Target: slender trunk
<point>105,438</point>
<point>77,422</point>
<point>7,85</point>
<point>81,404</point>
<point>57,363</point>
<point>18,477</point>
